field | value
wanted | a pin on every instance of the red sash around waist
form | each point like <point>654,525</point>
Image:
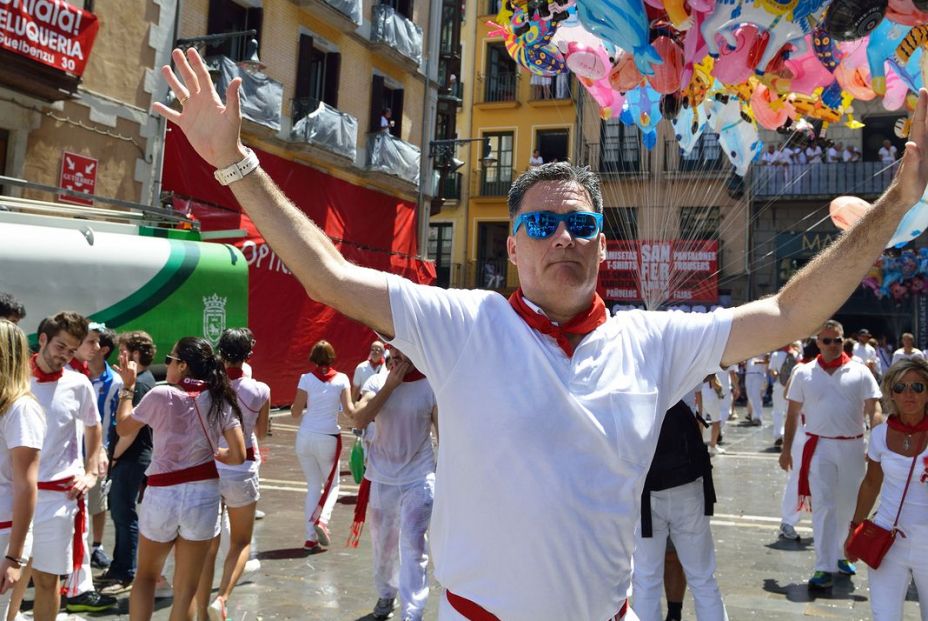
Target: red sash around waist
<point>60,485</point>
<point>80,529</point>
<point>250,453</point>
<point>473,611</point>
<point>202,472</point>
<point>4,525</point>
<point>808,450</point>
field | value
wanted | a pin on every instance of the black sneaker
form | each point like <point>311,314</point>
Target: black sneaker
<point>90,601</point>
<point>108,584</point>
<point>99,559</point>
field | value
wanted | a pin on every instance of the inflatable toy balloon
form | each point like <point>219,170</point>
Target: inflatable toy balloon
<point>735,64</point>
<point>913,224</point>
<point>738,136</point>
<point>845,211</point>
<point>666,76</point>
<point>874,278</point>
<point>770,111</point>
<point>610,101</point>
<point>624,24</point>
<point>625,75</point>
<point>853,74</point>
<point>896,92</point>
<point>688,127</point>
<point>642,108</point>
<point>808,71</point>
<point>891,275</point>
<point>907,12</point>
<point>881,46</point>
<point>908,263</point>
<point>849,20</point>
<point>586,62</point>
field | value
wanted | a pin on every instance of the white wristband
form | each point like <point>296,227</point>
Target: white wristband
<point>238,170</point>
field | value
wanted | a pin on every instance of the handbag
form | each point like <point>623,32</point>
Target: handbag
<point>870,542</point>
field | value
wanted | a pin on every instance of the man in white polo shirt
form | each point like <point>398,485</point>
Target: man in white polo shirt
<point>838,396</point>
<point>401,471</point>
<point>65,474</point>
<point>550,408</point>
<point>367,369</point>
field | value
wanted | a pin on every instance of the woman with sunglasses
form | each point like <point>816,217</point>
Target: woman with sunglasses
<point>180,508</point>
<point>237,484</point>
<point>22,431</point>
<point>889,460</point>
<point>319,442</point>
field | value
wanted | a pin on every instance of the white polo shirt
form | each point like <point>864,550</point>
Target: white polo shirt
<point>365,370</point>
<point>21,425</point>
<point>833,404</point>
<point>543,457</point>
<point>323,403</point>
<point>251,395</point>
<point>400,449</point>
<point>900,354</point>
<point>70,404</point>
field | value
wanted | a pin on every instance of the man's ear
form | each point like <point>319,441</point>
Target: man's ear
<point>511,249</point>
<point>43,340</point>
<point>602,247</point>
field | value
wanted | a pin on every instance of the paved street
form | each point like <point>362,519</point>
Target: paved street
<point>761,578</point>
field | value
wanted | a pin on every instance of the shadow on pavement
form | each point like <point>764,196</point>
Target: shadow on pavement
<point>799,593</point>
<point>790,546</point>
<point>285,554</point>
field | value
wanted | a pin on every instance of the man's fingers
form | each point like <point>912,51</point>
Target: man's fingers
<point>180,91</point>
<point>233,104</point>
<point>917,131</point>
<point>168,113</point>
<point>190,78</point>
<point>199,68</point>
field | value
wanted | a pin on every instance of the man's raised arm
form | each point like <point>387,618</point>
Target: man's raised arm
<point>214,131</point>
<point>822,286</point>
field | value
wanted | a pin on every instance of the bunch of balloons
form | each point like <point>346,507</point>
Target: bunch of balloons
<point>728,66</point>
<point>898,275</point>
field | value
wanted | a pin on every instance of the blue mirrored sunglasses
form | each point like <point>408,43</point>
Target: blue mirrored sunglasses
<point>543,224</point>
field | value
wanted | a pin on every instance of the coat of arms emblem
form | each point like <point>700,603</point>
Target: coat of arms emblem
<point>214,317</point>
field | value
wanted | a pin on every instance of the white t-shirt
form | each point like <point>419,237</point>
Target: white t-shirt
<point>785,156</point>
<point>814,154</point>
<point>536,161</point>
<point>724,377</point>
<point>770,158</point>
<point>323,403</point>
<point>867,353</point>
<point>70,404</point>
<point>900,354</point>
<point>895,469</point>
<point>252,395</point>
<point>833,404</point>
<point>832,155</point>
<point>182,436</point>
<point>800,156</point>
<point>887,155</point>
<point>711,402</point>
<point>23,424</point>
<point>543,457</point>
<point>848,155</point>
<point>400,450</point>
<point>366,370</point>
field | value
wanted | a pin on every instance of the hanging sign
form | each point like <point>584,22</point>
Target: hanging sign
<point>51,32</point>
<point>78,173</point>
<point>674,270</point>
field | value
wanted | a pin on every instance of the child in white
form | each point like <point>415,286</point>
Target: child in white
<point>755,381</point>
<point>401,469</point>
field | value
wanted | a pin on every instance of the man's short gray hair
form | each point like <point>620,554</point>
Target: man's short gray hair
<point>555,171</point>
<point>832,324</point>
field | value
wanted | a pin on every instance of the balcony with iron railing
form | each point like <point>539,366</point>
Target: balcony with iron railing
<point>499,87</point>
<point>706,158</point>
<point>493,274</point>
<point>261,97</point>
<point>819,181</point>
<point>494,181</point>
<point>552,90</point>
<point>628,159</point>
<point>318,124</point>
<point>389,155</point>
<point>397,34</point>
<point>344,14</point>
<point>450,188</point>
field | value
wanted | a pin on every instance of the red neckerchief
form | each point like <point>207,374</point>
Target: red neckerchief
<point>377,365</point>
<point>582,323</point>
<point>191,386</point>
<point>41,376</point>
<point>413,376</point>
<point>324,374</point>
<point>235,373</point>
<point>834,364</point>
<point>80,367</point>
<point>896,423</point>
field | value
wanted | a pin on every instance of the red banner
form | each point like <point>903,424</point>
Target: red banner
<point>78,173</point>
<point>670,270</point>
<point>51,32</point>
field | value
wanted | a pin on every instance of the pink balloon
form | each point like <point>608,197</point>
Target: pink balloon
<point>625,75</point>
<point>896,91</point>
<point>904,12</point>
<point>845,211</point>
<point>734,66</point>
<point>853,74</point>
<point>808,72</point>
<point>666,78</point>
<point>587,62</point>
<point>769,116</point>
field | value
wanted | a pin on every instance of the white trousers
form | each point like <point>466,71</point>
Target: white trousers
<point>790,505</point>
<point>835,474</point>
<point>316,452</point>
<point>906,559</point>
<point>725,408</point>
<point>754,385</point>
<point>779,409</point>
<point>399,520</point>
<point>677,513</point>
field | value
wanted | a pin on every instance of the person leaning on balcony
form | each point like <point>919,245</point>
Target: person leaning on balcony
<point>833,154</point>
<point>536,159</point>
<point>386,120</point>
<point>572,379</point>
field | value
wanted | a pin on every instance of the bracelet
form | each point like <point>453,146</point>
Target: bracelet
<point>238,170</point>
<point>126,394</point>
<point>18,561</point>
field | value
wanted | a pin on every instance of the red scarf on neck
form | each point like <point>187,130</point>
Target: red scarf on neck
<point>896,423</point>
<point>583,323</point>
<point>834,364</point>
<point>41,376</point>
<point>191,386</point>
<point>413,376</point>
<point>80,367</point>
<point>325,374</point>
<point>235,373</point>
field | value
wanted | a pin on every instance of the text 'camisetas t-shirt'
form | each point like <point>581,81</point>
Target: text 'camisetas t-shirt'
<point>542,457</point>
<point>70,405</point>
<point>400,449</point>
<point>181,432</point>
<point>22,425</point>
<point>833,404</point>
<point>323,403</point>
<point>252,395</point>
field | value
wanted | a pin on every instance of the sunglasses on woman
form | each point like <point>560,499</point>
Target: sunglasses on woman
<point>169,358</point>
<point>917,387</point>
<point>543,224</point>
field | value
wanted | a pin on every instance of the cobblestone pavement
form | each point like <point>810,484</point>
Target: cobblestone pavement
<point>761,577</point>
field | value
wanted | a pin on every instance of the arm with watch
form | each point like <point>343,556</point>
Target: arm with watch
<point>25,478</point>
<point>214,131</point>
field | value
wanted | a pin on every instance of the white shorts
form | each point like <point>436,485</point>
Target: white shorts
<point>239,492</point>
<point>188,510</point>
<point>53,529</point>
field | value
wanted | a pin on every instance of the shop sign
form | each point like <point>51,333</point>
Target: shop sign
<point>51,32</point>
<point>78,173</point>
<point>678,271</point>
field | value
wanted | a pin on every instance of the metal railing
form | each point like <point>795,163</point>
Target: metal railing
<point>495,181</point>
<point>451,186</point>
<point>396,31</point>
<point>616,158</point>
<point>823,180</point>
<point>705,157</point>
<point>489,274</point>
<point>559,87</point>
<point>301,106</point>
<point>500,87</point>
